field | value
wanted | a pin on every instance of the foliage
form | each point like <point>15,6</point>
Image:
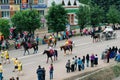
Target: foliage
<point>83,16</point>
<point>27,20</point>
<point>105,4</point>
<point>96,15</point>
<point>56,18</point>
<point>113,15</point>
<point>4,27</point>
<point>87,2</point>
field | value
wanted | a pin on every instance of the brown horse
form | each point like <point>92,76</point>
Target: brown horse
<point>96,37</point>
<point>65,48</point>
<point>55,55</point>
<point>52,42</point>
<point>26,47</point>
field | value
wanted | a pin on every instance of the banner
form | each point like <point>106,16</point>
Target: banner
<point>5,7</point>
<point>14,7</point>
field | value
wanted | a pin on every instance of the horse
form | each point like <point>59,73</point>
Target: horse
<point>49,55</point>
<point>96,37</point>
<point>26,47</point>
<point>65,48</point>
<point>52,42</point>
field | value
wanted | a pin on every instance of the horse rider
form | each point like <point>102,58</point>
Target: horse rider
<point>50,38</point>
<point>51,50</point>
<point>68,42</point>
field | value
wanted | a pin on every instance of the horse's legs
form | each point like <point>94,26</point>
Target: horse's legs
<point>47,59</point>
<point>64,52</point>
<point>51,59</point>
<point>24,52</point>
<point>28,51</point>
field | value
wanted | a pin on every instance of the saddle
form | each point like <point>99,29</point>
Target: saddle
<point>52,51</point>
<point>29,45</point>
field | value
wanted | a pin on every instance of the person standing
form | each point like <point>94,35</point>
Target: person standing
<point>51,71</point>
<point>75,62</point>
<point>68,66</point>
<point>83,62</point>
<point>37,40</point>
<point>39,73</point>
<point>96,60</point>
<point>1,72</point>
<point>108,56</point>
<point>73,65</point>
<point>92,60</point>
<point>87,60</point>
<point>79,62</point>
<point>44,72</point>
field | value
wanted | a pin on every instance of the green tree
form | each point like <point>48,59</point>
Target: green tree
<point>105,4</point>
<point>96,15</point>
<point>4,27</point>
<point>87,2</point>
<point>56,18</point>
<point>83,16</point>
<point>27,20</point>
<point>113,15</point>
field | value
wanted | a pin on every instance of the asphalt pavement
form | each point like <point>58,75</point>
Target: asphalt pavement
<point>83,45</point>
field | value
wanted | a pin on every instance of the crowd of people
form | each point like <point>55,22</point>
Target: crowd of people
<point>41,72</point>
<point>111,52</point>
<point>5,59</point>
<point>79,63</point>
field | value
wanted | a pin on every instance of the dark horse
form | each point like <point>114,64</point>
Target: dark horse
<point>49,55</point>
<point>26,47</point>
<point>52,42</point>
<point>95,36</point>
<point>65,48</point>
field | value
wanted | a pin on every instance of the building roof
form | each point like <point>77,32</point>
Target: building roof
<point>66,2</point>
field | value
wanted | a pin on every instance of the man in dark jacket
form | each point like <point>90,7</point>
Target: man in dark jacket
<point>39,73</point>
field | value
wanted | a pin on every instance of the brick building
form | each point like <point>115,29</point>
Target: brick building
<point>10,7</point>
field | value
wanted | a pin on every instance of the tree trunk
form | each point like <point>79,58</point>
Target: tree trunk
<point>81,31</point>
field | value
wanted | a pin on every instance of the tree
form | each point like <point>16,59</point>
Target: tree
<point>4,27</point>
<point>96,15</point>
<point>87,2</point>
<point>27,20</point>
<point>113,15</point>
<point>105,4</point>
<point>83,16</point>
<point>56,18</point>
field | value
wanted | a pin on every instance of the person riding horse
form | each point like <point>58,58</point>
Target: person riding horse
<point>51,50</point>
<point>68,42</point>
<point>52,41</point>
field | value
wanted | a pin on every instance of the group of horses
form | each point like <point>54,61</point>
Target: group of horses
<point>53,43</point>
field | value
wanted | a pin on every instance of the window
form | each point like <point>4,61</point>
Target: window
<point>40,1</point>
<point>17,1</point>
<point>5,13</point>
<point>4,1</point>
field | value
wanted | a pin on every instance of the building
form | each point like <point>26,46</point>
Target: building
<point>9,7</point>
<point>71,6</point>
